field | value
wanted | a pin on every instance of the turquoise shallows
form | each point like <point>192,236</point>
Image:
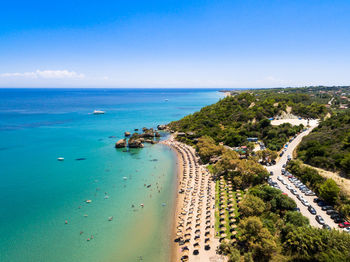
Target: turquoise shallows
<point>38,193</point>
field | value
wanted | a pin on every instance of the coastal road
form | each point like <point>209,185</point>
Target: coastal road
<point>276,169</point>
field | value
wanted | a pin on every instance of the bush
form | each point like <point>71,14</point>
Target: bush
<point>329,191</point>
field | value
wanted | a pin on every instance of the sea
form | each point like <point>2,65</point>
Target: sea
<point>44,212</point>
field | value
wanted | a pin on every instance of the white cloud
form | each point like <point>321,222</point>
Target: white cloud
<point>47,74</point>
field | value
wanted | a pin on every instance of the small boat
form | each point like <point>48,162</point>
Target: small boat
<point>110,218</point>
<point>60,158</point>
<point>88,201</point>
<point>98,112</point>
<point>125,178</point>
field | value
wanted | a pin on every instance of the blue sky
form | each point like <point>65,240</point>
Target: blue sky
<point>174,43</point>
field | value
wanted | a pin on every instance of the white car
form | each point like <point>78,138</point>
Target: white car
<point>347,230</point>
<point>279,178</point>
<point>305,203</point>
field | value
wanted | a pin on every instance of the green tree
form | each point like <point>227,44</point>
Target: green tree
<point>345,164</point>
<point>329,191</point>
<point>207,148</point>
<point>257,238</point>
<point>251,205</point>
<point>296,219</point>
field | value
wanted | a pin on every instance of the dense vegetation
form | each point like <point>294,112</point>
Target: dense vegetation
<point>233,119</point>
<point>328,146</point>
<point>271,231</point>
<point>268,227</point>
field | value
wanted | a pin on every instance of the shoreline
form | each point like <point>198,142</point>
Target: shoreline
<point>198,241</point>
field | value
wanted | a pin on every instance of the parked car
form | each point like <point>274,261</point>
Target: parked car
<point>325,208</point>
<point>325,226</point>
<point>305,203</point>
<point>319,219</point>
<point>334,215</point>
<point>344,224</point>
<point>312,210</point>
<point>316,200</point>
<point>321,203</point>
<point>271,173</point>
<point>279,178</point>
<point>310,193</point>
<point>284,165</point>
<point>346,230</point>
<point>304,189</point>
<point>331,212</point>
<point>293,191</point>
<point>338,220</point>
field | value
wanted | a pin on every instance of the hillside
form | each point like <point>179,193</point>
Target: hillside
<point>233,119</point>
<point>328,146</point>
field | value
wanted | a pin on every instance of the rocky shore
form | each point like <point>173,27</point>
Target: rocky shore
<point>137,140</point>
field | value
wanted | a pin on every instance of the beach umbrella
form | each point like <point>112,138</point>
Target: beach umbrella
<point>185,248</point>
<point>196,245</point>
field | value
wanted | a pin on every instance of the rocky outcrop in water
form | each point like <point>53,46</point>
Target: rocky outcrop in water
<point>121,143</point>
<point>161,127</point>
<point>135,143</point>
<point>127,134</point>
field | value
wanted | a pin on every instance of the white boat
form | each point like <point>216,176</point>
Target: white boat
<point>98,112</point>
<point>60,159</point>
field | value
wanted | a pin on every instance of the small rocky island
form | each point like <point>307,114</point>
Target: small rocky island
<point>137,140</point>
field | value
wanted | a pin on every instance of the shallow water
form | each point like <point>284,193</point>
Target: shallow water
<point>38,193</point>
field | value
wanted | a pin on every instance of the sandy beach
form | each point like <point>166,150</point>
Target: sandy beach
<point>193,234</point>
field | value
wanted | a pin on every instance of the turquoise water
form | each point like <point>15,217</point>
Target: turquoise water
<point>38,193</point>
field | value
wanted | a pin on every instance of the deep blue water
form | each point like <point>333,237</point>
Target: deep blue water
<point>38,193</point>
